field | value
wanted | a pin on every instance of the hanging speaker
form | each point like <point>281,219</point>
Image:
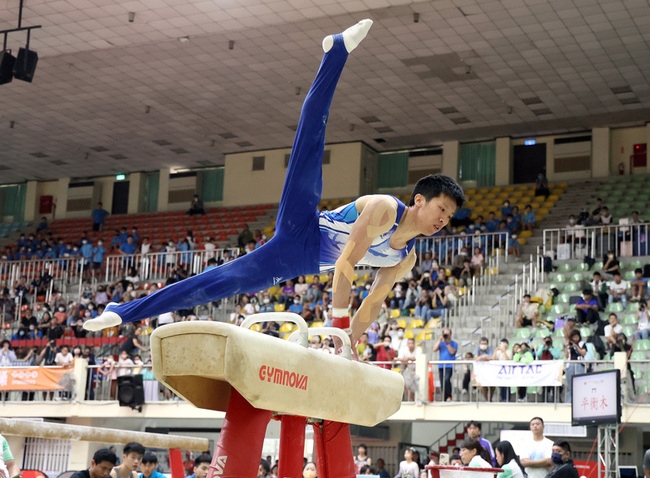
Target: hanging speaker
<point>7,61</point>
<point>25,65</point>
<point>130,391</point>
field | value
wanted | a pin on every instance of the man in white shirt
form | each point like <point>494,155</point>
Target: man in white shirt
<point>536,452</point>
<point>407,356</point>
<point>613,329</point>
<point>617,291</point>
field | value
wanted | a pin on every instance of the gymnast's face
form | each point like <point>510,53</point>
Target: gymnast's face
<point>435,214</point>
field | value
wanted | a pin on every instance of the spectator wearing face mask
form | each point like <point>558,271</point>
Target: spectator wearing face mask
<point>502,353</point>
<point>561,458</point>
<point>398,341</point>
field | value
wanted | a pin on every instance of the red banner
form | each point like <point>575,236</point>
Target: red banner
<point>32,378</point>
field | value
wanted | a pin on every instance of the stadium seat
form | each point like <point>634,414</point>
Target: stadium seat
<point>641,345</point>
<point>614,307</point>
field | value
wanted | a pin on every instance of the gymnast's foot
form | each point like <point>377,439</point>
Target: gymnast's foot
<point>351,37</point>
<point>107,319</point>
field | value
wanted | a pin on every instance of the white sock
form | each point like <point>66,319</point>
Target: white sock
<point>107,319</point>
<point>351,37</point>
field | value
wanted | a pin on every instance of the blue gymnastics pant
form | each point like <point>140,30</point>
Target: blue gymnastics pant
<point>294,250</point>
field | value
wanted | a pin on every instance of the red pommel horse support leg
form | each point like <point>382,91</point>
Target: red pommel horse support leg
<point>250,376</point>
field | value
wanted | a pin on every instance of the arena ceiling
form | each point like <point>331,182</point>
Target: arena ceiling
<point>190,80</point>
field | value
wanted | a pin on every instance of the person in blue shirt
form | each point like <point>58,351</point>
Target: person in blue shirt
<point>99,215</point>
<point>148,466</point>
<point>529,221</point>
<point>116,242</point>
<point>123,236</point>
<point>447,349</point>
<point>87,254</point>
<point>492,223</point>
<point>587,308</point>
<point>296,306</point>
<point>506,209</point>
<point>201,466</point>
<point>50,253</point>
<point>98,257</point>
<point>135,235</point>
<point>127,250</point>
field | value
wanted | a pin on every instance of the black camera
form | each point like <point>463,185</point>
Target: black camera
<point>547,343</point>
<point>445,336</point>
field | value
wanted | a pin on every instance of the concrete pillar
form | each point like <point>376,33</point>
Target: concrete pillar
<point>600,152</point>
<point>450,154</point>
<point>503,160</point>
<point>135,189</point>
<point>163,190</point>
<point>32,201</point>
<point>61,199</point>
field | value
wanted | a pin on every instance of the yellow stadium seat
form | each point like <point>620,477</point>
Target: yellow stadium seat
<point>401,323</point>
<point>490,196</point>
<point>483,191</point>
<point>525,234</point>
<point>412,311</point>
<point>542,210</point>
<point>317,324</point>
<point>496,189</point>
<point>524,187</point>
<point>273,290</point>
<point>408,334</point>
<point>522,241</point>
<point>256,327</point>
<point>553,197</point>
<point>509,188</point>
<point>558,191</point>
<point>323,278</point>
<point>395,313</point>
<point>516,194</point>
<point>365,277</point>
<point>504,195</point>
<point>433,324</point>
<point>538,199</point>
<point>416,324</point>
<point>288,327</point>
<point>279,307</point>
<point>425,334</point>
<point>470,191</point>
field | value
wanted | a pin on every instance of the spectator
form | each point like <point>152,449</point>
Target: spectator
<point>541,186</point>
<point>612,329</point>
<point>524,356</point>
<point>287,293</point>
<point>483,352</point>
<point>528,313</point>
<point>639,286</point>
<point>131,458</point>
<point>124,364</point>
<point>408,468</point>
<point>99,215</point>
<point>529,220</point>
<point>131,344</point>
<point>447,349</point>
<point>599,288</point>
<point>201,466</point>
<point>507,459</point>
<point>245,236</point>
<point>196,206</point>
<point>610,265</point>
<point>474,455</point>
<point>474,434</point>
<point>264,470</point>
<point>362,458</point>
<point>548,352</point>
<point>506,209</point>
<point>587,308</point>
<point>646,463</point>
<point>617,290</point>
<point>407,357</point>
<point>28,325</point>
<point>575,351</point>
<point>315,291</point>
<point>536,451</point>
<point>381,468</point>
<point>64,358</point>
<point>100,466</point>
<point>309,471</point>
<point>478,260</point>
<point>423,306</point>
<point>561,457</point>
<point>503,354</point>
<point>108,374</point>
<point>48,354</point>
<point>605,217</point>
<point>149,466</point>
<point>7,355</point>
<point>385,353</point>
<point>301,287</point>
<point>643,319</point>
<point>514,248</point>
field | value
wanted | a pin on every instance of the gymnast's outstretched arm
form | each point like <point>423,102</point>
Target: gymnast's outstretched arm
<point>377,216</point>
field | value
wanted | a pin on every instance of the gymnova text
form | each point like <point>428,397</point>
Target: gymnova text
<point>283,377</point>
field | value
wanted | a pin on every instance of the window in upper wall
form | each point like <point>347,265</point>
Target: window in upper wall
<point>258,163</point>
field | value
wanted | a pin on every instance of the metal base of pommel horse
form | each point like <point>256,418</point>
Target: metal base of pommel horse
<point>251,376</point>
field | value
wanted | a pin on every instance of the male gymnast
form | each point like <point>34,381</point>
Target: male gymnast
<point>375,230</point>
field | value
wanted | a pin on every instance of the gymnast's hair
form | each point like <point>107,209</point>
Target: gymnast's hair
<point>434,185</point>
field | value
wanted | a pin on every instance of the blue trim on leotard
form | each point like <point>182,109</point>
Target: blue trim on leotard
<point>294,250</point>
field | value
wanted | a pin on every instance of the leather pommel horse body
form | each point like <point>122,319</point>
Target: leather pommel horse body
<point>249,375</point>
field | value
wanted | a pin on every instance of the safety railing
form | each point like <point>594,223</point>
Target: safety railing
<point>595,241</point>
<point>447,247</point>
<point>159,265</point>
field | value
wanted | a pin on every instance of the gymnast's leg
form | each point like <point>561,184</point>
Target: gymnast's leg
<point>294,249</point>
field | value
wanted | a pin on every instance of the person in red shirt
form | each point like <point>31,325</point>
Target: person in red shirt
<point>385,353</point>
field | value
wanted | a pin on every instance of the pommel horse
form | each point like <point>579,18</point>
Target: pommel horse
<point>252,376</point>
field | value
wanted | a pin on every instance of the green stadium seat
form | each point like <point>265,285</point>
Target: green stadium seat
<point>632,307</point>
<point>565,267</point>
<point>558,278</point>
<point>641,345</point>
<point>637,356</point>
<point>571,287</point>
<point>614,307</point>
<point>542,333</point>
<point>628,319</point>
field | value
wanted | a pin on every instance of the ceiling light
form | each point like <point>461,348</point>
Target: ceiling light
<point>416,17</point>
<point>184,39</point>
<point>131,17</point>
<point>231,44</point>
<point>297,91</point>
